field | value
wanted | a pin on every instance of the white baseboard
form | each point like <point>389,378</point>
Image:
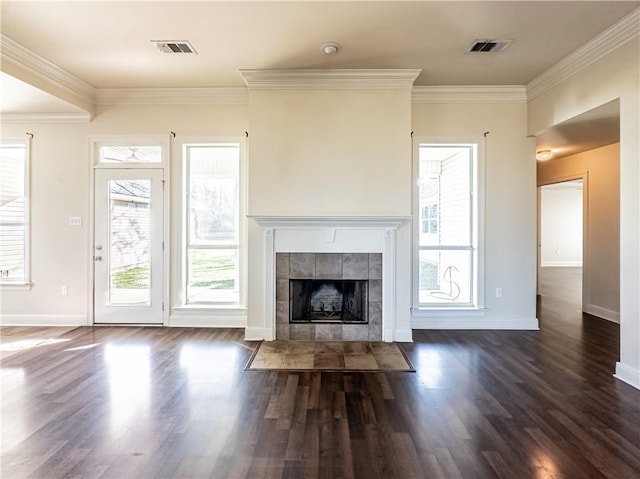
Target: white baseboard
<point>561,264</point>
<point>603,313</point>
<point>258,334</point>
<point>628,375</point>
<point>207,318</point>
<point>527,324</point>
<point>43,320</point>
<point>402,335</point>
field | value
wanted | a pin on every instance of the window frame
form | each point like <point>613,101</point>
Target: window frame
<point>184,225</point>
<point>476,228</point>
<point>25,281</point>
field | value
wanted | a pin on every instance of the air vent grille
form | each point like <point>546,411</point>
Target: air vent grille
<point>488,46</point>
<point>181,46</point>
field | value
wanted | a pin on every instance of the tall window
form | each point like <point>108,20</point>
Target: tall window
<point>447,225</point>
<point>212,260</point>
<point>14,212</point>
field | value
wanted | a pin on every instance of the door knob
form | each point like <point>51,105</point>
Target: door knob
<point>97,258</point>
<point>99,247</point>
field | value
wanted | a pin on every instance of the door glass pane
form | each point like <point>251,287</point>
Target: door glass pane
<point>445,277</point>
<point>213,275</point>
<point>129,227</point>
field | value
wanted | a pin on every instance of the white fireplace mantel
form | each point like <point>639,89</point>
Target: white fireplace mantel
<point>328,234</point>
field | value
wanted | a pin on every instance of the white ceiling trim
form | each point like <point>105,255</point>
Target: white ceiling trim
<point>172,96</point>
<point>46,118</point>
<point>15,54</point>
<point>608,41</point>
<point>469,94</point>
<point>336,79</point>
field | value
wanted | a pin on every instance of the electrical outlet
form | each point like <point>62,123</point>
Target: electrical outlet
<point>64,291</point>
<point>498,292</point>
<point>75,221</point>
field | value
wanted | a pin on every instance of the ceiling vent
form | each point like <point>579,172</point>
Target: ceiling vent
<point>166,46</point>
<point>488,46</point>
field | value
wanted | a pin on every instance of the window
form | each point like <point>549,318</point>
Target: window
<point>14,213</point>
<point>447,237</point>
<point>212,227</point>
<point>130,154</point>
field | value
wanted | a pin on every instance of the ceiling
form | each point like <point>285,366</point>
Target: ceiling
<point>107,44</point>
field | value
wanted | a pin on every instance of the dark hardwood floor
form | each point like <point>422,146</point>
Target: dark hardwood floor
<point>176,403</point>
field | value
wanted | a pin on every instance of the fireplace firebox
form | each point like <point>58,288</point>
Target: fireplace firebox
<point>328,301</point>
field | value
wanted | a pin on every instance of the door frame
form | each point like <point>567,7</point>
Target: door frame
<point>95,142</point>
<point>584,176</point>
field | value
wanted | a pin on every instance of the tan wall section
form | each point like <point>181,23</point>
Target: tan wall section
<point>602,227</point>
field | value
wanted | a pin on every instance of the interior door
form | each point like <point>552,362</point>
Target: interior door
<point>128,246</point>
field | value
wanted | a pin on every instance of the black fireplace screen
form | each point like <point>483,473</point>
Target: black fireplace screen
<point>328,301</point>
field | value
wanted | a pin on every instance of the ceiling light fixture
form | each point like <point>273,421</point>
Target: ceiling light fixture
<point>330,48</point>
<point>544,155</point>
<point>133,158</point>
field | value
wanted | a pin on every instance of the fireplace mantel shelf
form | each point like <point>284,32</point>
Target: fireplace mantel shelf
<point>393,222</point>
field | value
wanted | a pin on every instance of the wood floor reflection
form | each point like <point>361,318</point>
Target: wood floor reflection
<point>177,403</point>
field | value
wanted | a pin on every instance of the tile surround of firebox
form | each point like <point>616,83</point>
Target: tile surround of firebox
<point>359,266</point>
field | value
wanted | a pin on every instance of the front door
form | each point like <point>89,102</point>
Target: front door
<point>128,246</point>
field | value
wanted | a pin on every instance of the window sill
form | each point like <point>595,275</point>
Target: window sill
<point>447,312</point>
<point>16,286</point>
<point>198,309</point>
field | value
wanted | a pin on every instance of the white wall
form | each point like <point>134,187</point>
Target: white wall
<point>59,252</point>
<point>561,226</point>
<point>617,75</point>
<point>510,207</point>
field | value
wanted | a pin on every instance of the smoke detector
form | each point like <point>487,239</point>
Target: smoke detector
<point>488,46</point>
<point>330,48</point>
<point>172,46</point>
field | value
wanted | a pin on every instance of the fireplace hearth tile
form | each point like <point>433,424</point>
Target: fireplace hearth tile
<point>389,361</point>
<point>329,361</point>
<point>360,361</point>
<point>282,265</point>
<point>302,265</point>
<point>299,361</point>
<point>300,347</point>
<point>355,266</point>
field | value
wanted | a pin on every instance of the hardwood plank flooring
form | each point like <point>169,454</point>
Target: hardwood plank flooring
<point>116,402</point>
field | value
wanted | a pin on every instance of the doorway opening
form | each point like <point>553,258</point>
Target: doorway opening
<point>561,242</point>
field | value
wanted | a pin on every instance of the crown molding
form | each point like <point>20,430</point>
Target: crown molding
<point>172,96</point>
<point>608,41</point>
<point>49,73</point>
<point>469,94</point>
<point>335,79</point>
<point>45,117</point>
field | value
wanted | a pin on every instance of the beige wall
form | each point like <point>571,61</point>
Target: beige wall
<point>509,198</point>
<point>59,252</point>
<point>330,152</point>
<point>600,169</point>
<point>616,75</point>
